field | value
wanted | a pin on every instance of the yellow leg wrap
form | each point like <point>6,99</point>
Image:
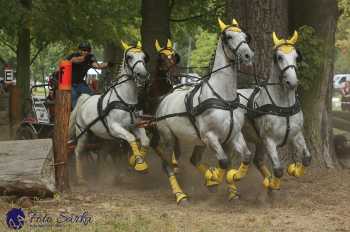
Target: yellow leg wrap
<point>296,169</point>
<point>143,151</point>
<point>214,176</point>
<point>264,171</point>
<point>272,183</point>
<point>137,159</point>
<point>234,174</point>
<point>179,194</point>
<point>232,191</point>
<point>202,168</point>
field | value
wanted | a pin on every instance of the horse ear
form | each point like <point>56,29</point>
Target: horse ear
<point>222,25</point>
<point>294,38</point>
<point>125,45</point>
<point>158,48</point>
<point>139,45</point>
<point>169,44</point>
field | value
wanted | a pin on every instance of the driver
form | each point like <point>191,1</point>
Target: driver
<point>82,61</point>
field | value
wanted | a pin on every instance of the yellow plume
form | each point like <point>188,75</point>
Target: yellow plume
<point>125,45</point>
<point>234,22</point>
<point>222,25</point>
<point>294,38</point>
<point>158,47</point>
<point>169,44</point>
<point>276,41</point>
<point>139,45</point>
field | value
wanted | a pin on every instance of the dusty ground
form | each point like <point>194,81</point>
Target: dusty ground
<point>133,202</point>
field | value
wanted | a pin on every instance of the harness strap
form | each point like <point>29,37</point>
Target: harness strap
<point>253,112</point>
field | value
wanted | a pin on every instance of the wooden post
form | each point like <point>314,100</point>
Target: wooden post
<point>15,111</point>
<point>62,114</point>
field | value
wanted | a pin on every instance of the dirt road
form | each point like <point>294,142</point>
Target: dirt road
<point>121,200</point>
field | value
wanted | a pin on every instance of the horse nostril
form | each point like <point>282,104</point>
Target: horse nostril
<point>247,56</point>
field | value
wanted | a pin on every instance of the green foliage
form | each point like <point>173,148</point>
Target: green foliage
<point>312,49</point>
<point>204,49</point>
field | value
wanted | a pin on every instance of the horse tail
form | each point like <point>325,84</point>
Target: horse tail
<point>73,115</point>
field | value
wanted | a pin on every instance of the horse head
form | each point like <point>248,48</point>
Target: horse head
<point>135,60</point>
<point>167,57</point>
<point>286,57</point>
<point>236,41</point>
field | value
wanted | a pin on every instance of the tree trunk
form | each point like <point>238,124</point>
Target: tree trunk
<point>23,53</point>
<point>112,53</point>
<point>155,25</point>
<point>322,16</point>
<point>260,19</point>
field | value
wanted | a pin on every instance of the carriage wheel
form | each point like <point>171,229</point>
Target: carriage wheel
<point>25,132</point>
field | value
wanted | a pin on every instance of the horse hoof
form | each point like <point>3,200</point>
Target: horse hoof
<point>306,161</point>
<point>213,188</point>
<point>183,202</point>
<point>181,198</point>
<point>141,167</point>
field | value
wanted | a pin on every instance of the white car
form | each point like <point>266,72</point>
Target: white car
<point>339,81</point>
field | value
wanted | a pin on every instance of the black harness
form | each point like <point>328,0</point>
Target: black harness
<point>211,103</point>
<point>111,105</point>
<point>254,111</point>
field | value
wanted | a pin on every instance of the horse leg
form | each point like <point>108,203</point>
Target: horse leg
<point>240,146</point>
<point>144,140</point>
<point>270,181</point>
<point>136,160</point>
<point>168,141</point>
<point>214,176</point>
<point>297,169</point>
<point>79,159</point>
<point>273,182</point>
<point>176,156</point>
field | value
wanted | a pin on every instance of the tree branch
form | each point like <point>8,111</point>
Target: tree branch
<point>38,52</point>
<point>8,45</point>
<point>197,16</point>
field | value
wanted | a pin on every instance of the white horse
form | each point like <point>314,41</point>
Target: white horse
<point>274,114</point>
<point>111,115</point>
<point>204,116</point>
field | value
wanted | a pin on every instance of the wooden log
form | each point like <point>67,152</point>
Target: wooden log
<point>62,113</point>
<point>27,168</point>
<point>341,124</point>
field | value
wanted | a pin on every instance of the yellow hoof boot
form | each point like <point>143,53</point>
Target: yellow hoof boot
<point>235,175</point>
<point>296,169</point>
<point>272,183</point>
<point>180,196</point>
<point>213,176</point>
<point>232,192</point>
<point>138,163</point>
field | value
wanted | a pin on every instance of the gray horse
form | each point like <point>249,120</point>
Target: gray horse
<point>274,114</point>
<point>205,116</point>
<point>111,115</point>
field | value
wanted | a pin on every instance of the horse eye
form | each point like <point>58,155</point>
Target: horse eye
<point>229,37</point>
<point>279,58</point>
<point>128,57</point>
